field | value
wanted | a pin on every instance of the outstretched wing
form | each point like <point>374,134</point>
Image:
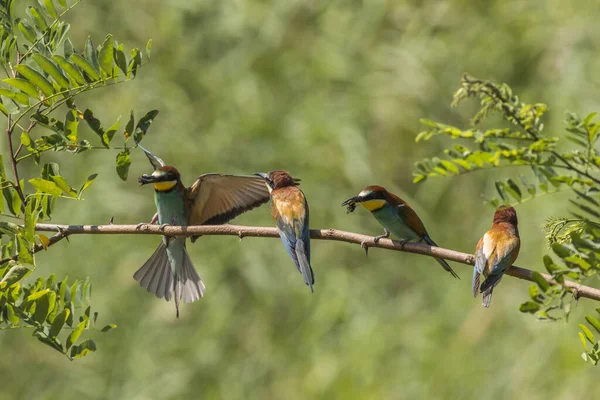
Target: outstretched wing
<point>154,160</point>
<point>216,199</point>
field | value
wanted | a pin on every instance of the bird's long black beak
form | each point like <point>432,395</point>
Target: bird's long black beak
<point>145,179</point>
<point>351,201</point>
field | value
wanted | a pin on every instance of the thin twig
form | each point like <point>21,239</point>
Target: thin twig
<point>323,234</point>
<point>13,163</point>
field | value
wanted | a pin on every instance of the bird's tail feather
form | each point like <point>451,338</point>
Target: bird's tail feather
<point>156,276</point>
<point>441,261</point>
<point>476,278</point>
<point>487,287</point>
<point>487,297</point>
<point>304,265</point>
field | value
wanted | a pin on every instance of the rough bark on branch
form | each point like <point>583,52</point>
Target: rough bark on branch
<point>323,234</point>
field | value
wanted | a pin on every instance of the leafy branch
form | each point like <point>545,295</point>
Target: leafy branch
<point>44,77</point>
<point>575,241</point>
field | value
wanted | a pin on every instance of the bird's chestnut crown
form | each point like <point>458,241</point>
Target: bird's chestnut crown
<point>506,214</point>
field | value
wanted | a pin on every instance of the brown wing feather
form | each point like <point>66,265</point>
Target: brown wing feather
<point>216,199</point>
<point>410,216</point>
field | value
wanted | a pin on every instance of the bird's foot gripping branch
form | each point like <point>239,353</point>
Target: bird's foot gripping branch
<point>524,144</point>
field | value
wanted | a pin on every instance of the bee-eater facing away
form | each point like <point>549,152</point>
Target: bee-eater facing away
<point>213,199</point>
<point>396,216</point>
<point>496,251</point>
<point>290,212</point>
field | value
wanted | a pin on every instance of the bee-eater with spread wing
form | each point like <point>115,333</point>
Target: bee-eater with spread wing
<point>290,212</point>
<point>396,216</point>
<point>213,199</point>
<point>496,251</point>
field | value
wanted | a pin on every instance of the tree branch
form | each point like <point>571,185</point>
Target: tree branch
<point>323,234</point>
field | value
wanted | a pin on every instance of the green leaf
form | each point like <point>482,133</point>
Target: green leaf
<point>148,49</point>
<point>23,85</point>
<point>59,322</point>
<point>76,333</point>
<point>68,48</point>
<point>95,124</point>
<point>108,327</point>
<point>105,57</point>
<point>64,186</point>
<point>71,124</point>
<point>37,295</point>
<point>42,308</point>
<point>44,186</point>
<point>129,128</point>
<point>85,67</point>
<point>83,349</point>
<point>134,63</point>
<point>120,58</point>
<point>91,56</point>
<point>540,281</point>
<point>27,31</point>
<point>513,189</point>
<point>25,254</point>
<point>588,333</point>
<point>38,19</point>
<point>19,97</point>
<point>71,70</point>
<point>50,8</point>
<point>143,125</point>
<point>36,78</point>
<point>593,322</point>
<point>529,307</point>
<point>123,163</point>
<point>63,3</point>
<point>87,183</point>
<point>500,189</point>
<point>110,132</point>
<point>52,69</point>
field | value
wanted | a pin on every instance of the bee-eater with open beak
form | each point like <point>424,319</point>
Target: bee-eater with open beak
<point>496,251</point>
<point>213,199</point>
<point>396,216</point>
<point>290,212</point>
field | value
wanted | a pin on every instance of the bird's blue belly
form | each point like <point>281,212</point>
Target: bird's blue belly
<point>388,217</point>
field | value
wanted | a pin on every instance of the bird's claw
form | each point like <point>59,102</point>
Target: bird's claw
<point>365,246</point>
<point>163,226</point>
<point>240,235</point>
<point>386,235</point>
<point>141,225</point>
<point>403,242</point>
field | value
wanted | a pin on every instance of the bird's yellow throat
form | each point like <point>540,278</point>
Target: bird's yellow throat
<point>373,205</point>
<point>165,186</point>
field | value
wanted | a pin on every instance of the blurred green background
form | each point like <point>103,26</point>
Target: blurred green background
<point>333,92</point>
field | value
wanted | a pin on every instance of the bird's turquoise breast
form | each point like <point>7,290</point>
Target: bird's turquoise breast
<point>170,207</point>
<point>388,217</point>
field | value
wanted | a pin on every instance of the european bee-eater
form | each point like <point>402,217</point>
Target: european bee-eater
<point>396,216</point>
<point>213,199</point>
<point>290,212</point>
<point>496,251</point>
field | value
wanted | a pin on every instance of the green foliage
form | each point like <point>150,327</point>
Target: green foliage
<point>574,241</point>
<point>44,75</point>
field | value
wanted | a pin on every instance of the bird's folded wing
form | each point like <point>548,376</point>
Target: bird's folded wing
<point>216,199</point>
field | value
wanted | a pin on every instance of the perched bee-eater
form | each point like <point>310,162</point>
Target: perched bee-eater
<point>496,251</point>
<point>396,216</point>
<point>213,199</point>
<point>290,212</point>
